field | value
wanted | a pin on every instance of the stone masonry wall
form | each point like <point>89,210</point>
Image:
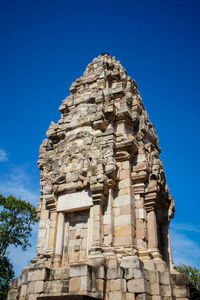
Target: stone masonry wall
<point>105,206</point>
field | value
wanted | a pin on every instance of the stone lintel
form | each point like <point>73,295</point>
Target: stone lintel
<point>79,200</point>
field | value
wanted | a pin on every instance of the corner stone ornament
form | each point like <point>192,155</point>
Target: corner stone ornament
<point>105,206</point>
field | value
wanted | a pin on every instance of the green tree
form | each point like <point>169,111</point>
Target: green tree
<point>16,219</point>
<point>191,272</point>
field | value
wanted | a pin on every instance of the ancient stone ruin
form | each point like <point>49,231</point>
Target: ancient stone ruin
<point>105,206</point>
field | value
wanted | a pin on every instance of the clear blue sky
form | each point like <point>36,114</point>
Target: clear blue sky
<point>46,45</point>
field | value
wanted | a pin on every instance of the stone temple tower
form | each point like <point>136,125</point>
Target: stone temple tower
<point>105,206</point>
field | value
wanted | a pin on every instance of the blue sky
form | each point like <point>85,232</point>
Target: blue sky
<point>46,45</point>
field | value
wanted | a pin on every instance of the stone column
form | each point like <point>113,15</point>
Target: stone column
<point>165,242</point>
<point>124,212</point>
<point>141,217</point>
<point>108,221</point>
<point>171,261</point>
<point>152,230</point>
<point>59,239</point>
<point>153,241</point>
<point>97,232</point>
<point>96,210</point>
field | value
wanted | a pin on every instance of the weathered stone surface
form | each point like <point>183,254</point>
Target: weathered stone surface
<point>75,284</point>
<point>137,286</point>
<point>118,285</point>
<point>80,270</point>
<point>39,287</point>
<point>105,206</point>
<point>131,262</point>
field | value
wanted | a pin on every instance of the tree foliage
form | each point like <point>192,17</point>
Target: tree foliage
<point>6,274</point>
<point>191,272</point>
<point>16,219</point>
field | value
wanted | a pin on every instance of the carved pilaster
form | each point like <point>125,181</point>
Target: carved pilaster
<point>59,239</point>
<point>99,192</point>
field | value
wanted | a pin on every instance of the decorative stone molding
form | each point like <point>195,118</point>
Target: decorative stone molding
<point>104,201</point>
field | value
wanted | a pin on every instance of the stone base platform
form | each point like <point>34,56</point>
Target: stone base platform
<point>110,279</point>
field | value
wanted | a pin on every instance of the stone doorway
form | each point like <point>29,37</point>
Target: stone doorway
<point>76,237</point>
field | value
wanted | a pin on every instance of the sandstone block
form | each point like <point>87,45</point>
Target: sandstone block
<point>53,216</point>
<point>37,274</point>
<point>125,209</point>
<point>23,279</point>
<point>154,276</point>
<point>65,286</point>
<point>115,296</point>
<point>107,219</point>
<point>33,297</point>
<point>42,224</point>
<point>23,290</point>
<point>146,274</point>
<point>140,229</point>
<point>61,273</point>
<point>131,262</point>
<point>31,287</point>
<point>51,241</point>
<point>113,269</point>
<point>124,191</point>
<point>44,215</point>
<point>118,285</point>
<point>149,265</point>
<point>51,287</point>
<point>141,244</point>
<point>137,286</point>
<point>138,203</point>
<point>156,297</point>
<point>129,273</point>
<point>142,296</point>
<point>100,285</point>
<point>123,200</point>
<point>125,183</point>
<point>107,228</point>
<point>129,296</point>
<point>86,283</point>
<point>39,287</point>
<point>164,277</point>
<point>166,290</point>
<point>179,279</point>
<point>123,240</point>
<point>138,273</point>
<point>160,265</point>
<point>122,230</point>
<point>80,270</point>
<point>108,239</point>
<point>41,233</point>
<point>183,298</point>
<point>124,174</point>
<point>122,220</point>
<point>125,165</point>
<point>100,272</point>
<point>75,284</point>
<point>155,288</point>
<point>180,291</point>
